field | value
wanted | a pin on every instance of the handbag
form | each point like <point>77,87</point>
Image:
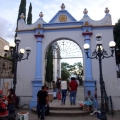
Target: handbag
<point>59,96</point>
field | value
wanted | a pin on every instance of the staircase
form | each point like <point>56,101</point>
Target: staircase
<point>65,110</point>
<point>56,109</point>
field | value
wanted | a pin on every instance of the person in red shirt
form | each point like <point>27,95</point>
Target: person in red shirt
<point>73,90</point>
<point>11,98</point>
<point>3,109</point>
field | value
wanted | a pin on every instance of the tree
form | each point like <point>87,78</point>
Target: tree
<point>22,9</point>
<point>29,18</point>
<point>64,72</point>
<point>76,69</point>
<point>116,33</point>
<point>49,65</point>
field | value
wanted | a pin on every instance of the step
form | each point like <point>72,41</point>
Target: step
<point>65,108</point>
<point>65,111</point>
<point>68,113</point>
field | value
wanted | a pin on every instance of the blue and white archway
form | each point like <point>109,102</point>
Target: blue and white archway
<point>63,25</point>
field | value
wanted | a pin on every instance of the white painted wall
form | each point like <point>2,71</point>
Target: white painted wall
<point>26,69</point>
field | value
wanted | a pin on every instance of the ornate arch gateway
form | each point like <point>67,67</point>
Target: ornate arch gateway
<point>62,26</point>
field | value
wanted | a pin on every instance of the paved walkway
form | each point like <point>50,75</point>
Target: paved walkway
<point>80,97</point>
<point>33,116</point>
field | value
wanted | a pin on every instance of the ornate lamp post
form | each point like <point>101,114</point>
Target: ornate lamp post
<point>100,54</point>
<point>16,56</point>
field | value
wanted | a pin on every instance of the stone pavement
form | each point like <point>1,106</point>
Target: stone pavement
<point>33,116</point>
<point>80,97</point>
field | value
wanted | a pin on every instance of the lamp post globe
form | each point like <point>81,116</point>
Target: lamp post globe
<point>112,44</point>
<point>86,46</point>
<point>22,51</point>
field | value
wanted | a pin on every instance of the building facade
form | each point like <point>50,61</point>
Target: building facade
<point>40,35</point>
<point>2,44</point>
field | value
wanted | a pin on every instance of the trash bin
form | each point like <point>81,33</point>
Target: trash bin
<point>23,115</point>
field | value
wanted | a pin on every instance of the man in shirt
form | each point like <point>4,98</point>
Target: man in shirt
<point>42,98</point>
<point>73,90</point>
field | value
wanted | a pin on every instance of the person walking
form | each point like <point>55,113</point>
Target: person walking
<point>64,91</point>
<point>73,90</point>
<point>42,98</point>
<point>54,90</point>
<point>58,85</point>
<point>11,98</point>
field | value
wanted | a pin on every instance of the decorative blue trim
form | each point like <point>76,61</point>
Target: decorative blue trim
<point>87,27</point>
<point>39,30</point>
<point>103,28</point>
<point>62,12</point>
<point>63,24</point>
<point>65,29</point>
<point>36,87</point>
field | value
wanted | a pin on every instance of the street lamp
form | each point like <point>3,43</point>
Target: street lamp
<point>16,56</point>
<point>99,53</point>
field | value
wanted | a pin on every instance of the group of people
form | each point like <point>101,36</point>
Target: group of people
<point>62,86</point>
<point>6,104</point>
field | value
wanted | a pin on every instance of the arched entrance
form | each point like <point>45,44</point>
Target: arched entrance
<point>63,51</point>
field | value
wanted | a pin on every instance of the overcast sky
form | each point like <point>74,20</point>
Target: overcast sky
<point>9,11</point>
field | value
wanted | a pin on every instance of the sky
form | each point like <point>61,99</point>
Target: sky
<point>9,12</point>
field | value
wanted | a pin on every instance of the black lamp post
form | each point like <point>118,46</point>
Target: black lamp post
<point>16,56</point>
<point>100,54</point>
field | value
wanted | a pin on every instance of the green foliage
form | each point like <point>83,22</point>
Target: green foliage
<point>49,65</point>
<point>22,9</point>
<point>76,69</point>
<point>67,69</point>
<point>64,72</point>
<point>116,32</point>
<point>29,18</point>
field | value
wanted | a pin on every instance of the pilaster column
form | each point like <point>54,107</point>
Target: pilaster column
<point>37,82</point>
<point>88,64</point>
<point>38,73</point>
<point>89,83</point>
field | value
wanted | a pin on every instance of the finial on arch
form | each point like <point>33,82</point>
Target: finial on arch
<point>41,14</point>
<point>62,6</point>
<point>22,16</point>
<point>85,11</point>
<point>107,10</point>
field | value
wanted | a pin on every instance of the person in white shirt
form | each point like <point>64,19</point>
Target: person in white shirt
<point>64,91</point>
